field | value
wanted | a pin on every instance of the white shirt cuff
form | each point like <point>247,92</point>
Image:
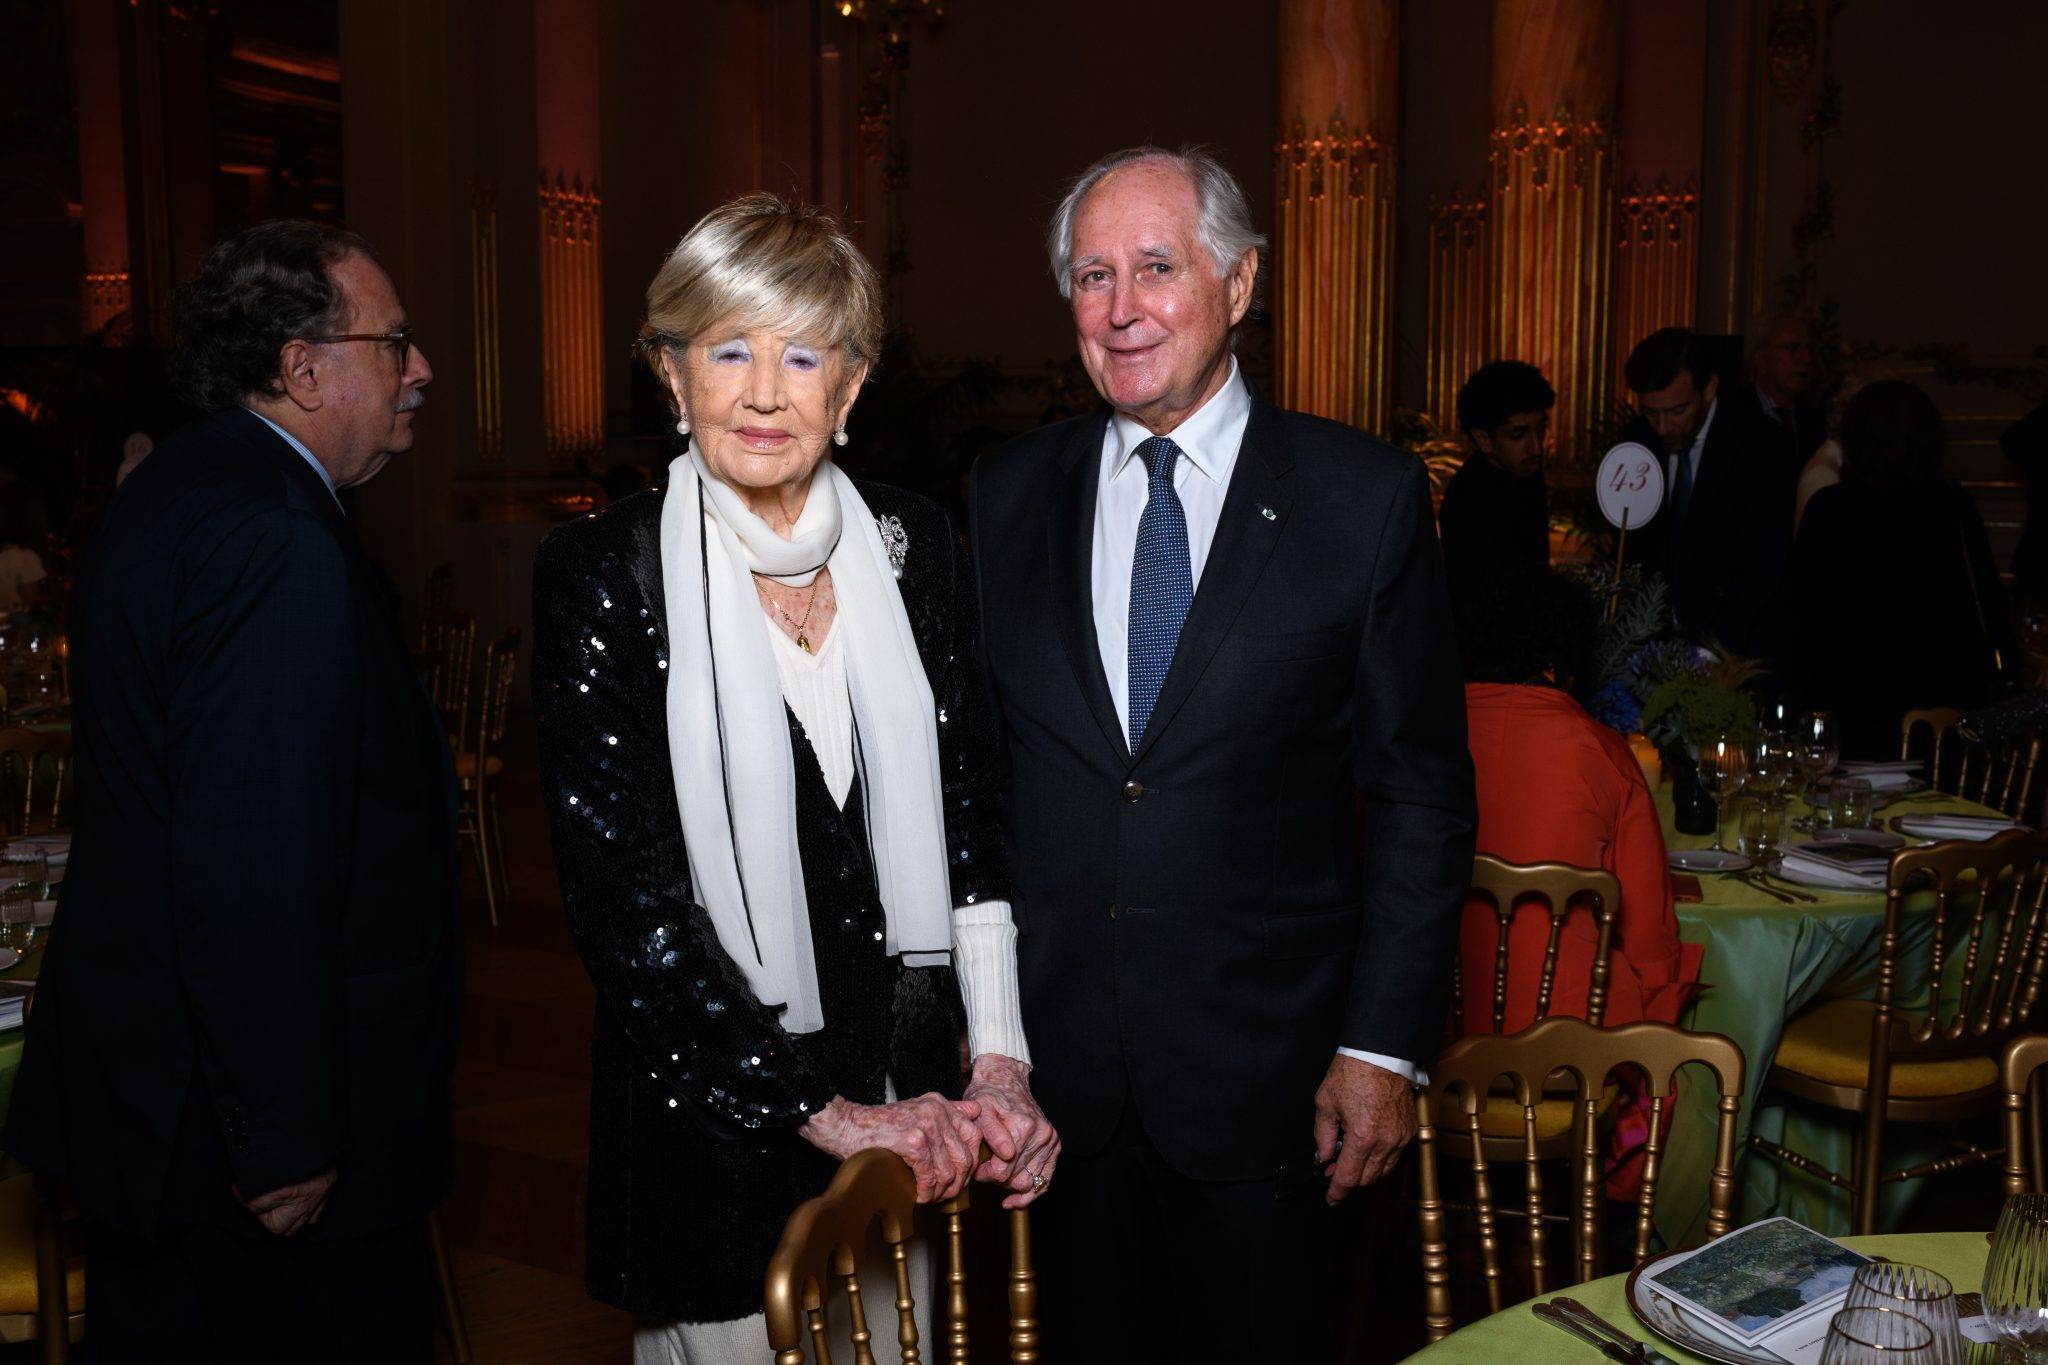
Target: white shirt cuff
<point>985,960</point>
<point>1407,1071</point>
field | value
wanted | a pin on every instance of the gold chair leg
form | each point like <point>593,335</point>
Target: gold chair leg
<point>497,828</point>
<point>53,1309</point>
<point>451,1303</point>
<point>480,834</point>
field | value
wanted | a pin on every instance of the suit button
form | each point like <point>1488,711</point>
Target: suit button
<point>1133,790</point>
<point>1112,912</point>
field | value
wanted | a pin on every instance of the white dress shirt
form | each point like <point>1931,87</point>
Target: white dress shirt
<point>296,444</point>
<point>1209,441</point>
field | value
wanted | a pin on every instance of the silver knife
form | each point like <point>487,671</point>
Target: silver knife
<point>1640,1350</point>
<point>1560,1319</point>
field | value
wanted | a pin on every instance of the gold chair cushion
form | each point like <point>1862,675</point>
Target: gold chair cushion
<point>18,1251</point>
<point>1831,1044</point>
<point>465,766</point>
<point>1502,1117</point>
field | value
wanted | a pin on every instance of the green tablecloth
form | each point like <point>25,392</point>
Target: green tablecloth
<point>1517,1334</point>
<point>1765,961</point>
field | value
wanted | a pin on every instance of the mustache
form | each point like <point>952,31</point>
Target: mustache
<point>413,401</point>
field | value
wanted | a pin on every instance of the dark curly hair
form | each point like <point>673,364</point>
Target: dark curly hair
<point>1530,627</point>
<point>1498,390</point>
<point>255,291</point>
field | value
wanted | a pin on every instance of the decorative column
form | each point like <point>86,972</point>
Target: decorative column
<point>1656,263</point>
<point>1333,247</point>
<point>1460,321</point>
<point>1556,73</point>
<point>102,162</point>
<point>571,248</point>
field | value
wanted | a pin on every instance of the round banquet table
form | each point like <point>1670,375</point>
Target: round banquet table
<point>1765,961</point>
<point>1517,1334</point>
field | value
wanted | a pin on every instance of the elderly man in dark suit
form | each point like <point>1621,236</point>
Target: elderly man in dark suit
<point>241,1048</point>
<point>1212,627</point>
<point>1723,535</point>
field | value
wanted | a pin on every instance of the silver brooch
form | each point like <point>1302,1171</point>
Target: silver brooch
<point>895,540</point>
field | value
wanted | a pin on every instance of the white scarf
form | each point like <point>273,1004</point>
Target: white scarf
<point>736,789</point>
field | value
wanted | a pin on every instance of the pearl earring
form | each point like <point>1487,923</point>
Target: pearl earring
<point>839,437</point>
<point>683,426</point>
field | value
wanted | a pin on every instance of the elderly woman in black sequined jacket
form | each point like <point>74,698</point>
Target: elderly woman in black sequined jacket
<point>771,781</point>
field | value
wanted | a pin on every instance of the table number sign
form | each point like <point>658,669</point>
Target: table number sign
<point>1630,489</point>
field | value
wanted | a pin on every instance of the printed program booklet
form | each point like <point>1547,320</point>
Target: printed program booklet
<point>1770,1286</point>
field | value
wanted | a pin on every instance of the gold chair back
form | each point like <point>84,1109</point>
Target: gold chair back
<point>1985,983</point>
<point>1940,724</point>
<point>451,636</point>
<point>2024,1166</point>
<point>819,1255</point>
<point>501,665</point>
<point>2006,776</point>
<point>1461,1080</point>
<point>26,756</point>
<point>1556,888</point>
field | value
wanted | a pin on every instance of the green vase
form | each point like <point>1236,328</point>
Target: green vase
<point>1692,809</point>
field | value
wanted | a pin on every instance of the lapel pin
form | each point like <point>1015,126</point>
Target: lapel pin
<point>1268,514</point>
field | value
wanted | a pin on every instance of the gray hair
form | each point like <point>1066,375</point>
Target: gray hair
<point>1223,217</point>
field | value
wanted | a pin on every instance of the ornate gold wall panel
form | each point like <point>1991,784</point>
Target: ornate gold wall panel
<point>1459,326</point>
<point>1335,274</point>
<point>105,296</point>
<point>1551,262</point>
<point>1656,264</point>
<point>572,318</point>
<point>483,315</point>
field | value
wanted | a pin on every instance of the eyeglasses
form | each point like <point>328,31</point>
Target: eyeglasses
<point>400,337</point>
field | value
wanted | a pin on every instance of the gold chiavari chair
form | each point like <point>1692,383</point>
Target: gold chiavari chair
<point>2007,776</point>
<point>1463,1078</point>
<point>479,765</point>
<point>26,757</point>
<point>1893,1060</point>
<point>1555,890</point>
<point>1942,738</point>
<point>819,1254</point>
<point>451,638</point>
<point>2025,1168</point>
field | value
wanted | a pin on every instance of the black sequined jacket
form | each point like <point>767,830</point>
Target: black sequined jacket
<point>697,1090</point>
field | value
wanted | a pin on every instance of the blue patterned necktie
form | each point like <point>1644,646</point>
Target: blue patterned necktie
<point>1162,584</point>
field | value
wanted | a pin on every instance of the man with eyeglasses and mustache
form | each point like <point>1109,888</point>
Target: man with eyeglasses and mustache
<point>240,1052</point>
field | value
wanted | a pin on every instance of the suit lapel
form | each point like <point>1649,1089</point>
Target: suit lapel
<point>1254,512</point>
<point>1070,545</point>
<point>1717,458</point>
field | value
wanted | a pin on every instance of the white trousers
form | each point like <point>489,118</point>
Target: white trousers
<point>745,1341</point>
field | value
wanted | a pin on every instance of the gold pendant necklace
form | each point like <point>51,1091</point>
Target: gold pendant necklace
<point>803,641</point>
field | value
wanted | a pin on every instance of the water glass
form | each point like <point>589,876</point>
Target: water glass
<point>17,922</point>
<point>24,865</point>
<point>2016,1277</point>
<point>1771,763</point>
<point>1877,1336</point>
<point>1762,829</point>
<point>1917,1291</point>
<point>1853,804</point>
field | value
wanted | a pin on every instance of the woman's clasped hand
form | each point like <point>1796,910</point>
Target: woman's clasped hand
<point>939,1139</point>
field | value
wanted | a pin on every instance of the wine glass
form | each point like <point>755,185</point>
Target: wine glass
<point>1770,763</point>
<point>1722,761</point>
<point>1877,1336</point>
<point>1914,1290</point>
<point>1820,741</point>
<point>2016,1277</point>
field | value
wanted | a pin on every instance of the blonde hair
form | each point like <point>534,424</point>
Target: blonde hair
<point>761,262</point>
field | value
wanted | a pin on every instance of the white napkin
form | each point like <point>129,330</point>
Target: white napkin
<point>1810,871</point>
<point>1955,826</point>
<point>1896,775</point>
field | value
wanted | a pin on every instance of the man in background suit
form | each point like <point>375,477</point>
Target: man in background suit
<point>1722,537</point>
<point>1211,627</point>
<point>241,1047</point>
<point>1781,402</point>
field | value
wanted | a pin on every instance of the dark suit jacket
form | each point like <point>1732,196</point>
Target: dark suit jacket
<point>1492,523</point>
<point>1726,563</point>
<point>1793,440</point>
<point>255,971</point>
<point>1197,927</point>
